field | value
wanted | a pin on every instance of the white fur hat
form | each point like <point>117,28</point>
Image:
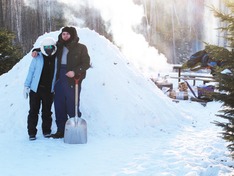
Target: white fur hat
<point>47,42</point>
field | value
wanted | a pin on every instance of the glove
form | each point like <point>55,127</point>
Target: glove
<point>26,92</point>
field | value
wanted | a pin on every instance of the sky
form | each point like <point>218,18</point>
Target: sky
<point>134,129</point>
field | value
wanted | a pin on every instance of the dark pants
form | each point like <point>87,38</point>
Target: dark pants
<point>45,98</point>
<point>64,100</point>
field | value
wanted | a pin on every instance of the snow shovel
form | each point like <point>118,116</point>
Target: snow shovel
<point>75,127</point>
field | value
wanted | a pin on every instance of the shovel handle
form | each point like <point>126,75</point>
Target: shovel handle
<point>77,79</point>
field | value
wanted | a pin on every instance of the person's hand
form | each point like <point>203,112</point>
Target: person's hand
<point>34,54</point>
<point>70,74</point>
<point>26,92</point>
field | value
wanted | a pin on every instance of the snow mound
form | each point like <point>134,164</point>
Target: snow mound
<point>115,100</point>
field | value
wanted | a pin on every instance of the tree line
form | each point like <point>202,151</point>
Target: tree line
<point>224,74</point>
<point>174,32</point>
<point>27,21</point>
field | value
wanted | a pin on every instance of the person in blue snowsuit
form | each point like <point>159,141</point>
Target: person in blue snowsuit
<point>73,61</point>
<point>39,86</point>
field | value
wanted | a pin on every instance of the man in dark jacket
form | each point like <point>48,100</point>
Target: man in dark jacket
<point>73,61</point>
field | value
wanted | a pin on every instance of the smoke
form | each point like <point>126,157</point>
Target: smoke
<point>123,16</point>
<point>210,25</point>
<point>212,34</point>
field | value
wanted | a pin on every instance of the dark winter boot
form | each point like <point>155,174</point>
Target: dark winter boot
<point>48,135</point>
<point>57,135</point>
<point>32,137</point>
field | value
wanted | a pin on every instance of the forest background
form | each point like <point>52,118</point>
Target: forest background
<point>175,28</point>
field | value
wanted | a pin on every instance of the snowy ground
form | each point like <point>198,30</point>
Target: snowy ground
<point>133,128</point>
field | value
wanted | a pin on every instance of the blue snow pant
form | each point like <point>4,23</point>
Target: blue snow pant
<point>64,100</point>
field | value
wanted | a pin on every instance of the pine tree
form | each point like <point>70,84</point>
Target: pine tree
<point>9,53</point>
<point>225,75</point>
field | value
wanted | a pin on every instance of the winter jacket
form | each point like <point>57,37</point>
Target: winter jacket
<point>35,71</point>
<point>78,59</point>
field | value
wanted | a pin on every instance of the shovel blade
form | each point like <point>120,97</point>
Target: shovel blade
<point>75,131</point>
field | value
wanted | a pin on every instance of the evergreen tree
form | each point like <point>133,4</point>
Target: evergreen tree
<point>224,75</point>
<point>9,53</point>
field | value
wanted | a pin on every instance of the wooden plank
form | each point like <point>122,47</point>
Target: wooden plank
<point>192,78</point>
<point>205,80</point>
<point>175,67</point>
<point>198,76</point>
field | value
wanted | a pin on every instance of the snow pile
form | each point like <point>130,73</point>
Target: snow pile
<point>133,128</point>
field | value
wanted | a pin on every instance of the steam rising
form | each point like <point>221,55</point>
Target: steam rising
<point>123,16</point>
<point>213,36</point>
